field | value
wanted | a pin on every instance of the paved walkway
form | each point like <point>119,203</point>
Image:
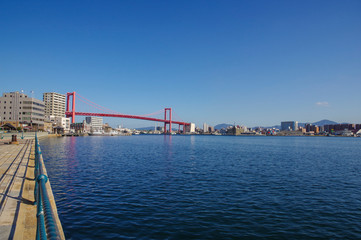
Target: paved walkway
<point>17,210</point>
<point>20,135</point>
<point>14,162</point>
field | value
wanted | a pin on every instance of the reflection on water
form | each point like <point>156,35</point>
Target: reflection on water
<point>206,187</point>
<point>168,147</point>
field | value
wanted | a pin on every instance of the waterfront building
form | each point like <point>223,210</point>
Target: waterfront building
<point>48,126</point>
<point>96,123</point>
<point>312,128</point>
<point>289,126</point>
<point>205,127</point>
<point>107,128</point>
<point>21,110</point>
<point>191,128</point>
<point>332,128</point>
<point>54,104</point>
<point>346,133</point>
<point>160,129</point>
<point>235,130</point>
<point>198,130</point>
<point>61,122</point>
<point>81,127</point>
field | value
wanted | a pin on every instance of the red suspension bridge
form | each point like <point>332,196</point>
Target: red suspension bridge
<point>109,113</point>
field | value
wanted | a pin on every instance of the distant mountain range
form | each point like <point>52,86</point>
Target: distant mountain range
<point>318,123</point>
<point>225,125</point>
<point>222,125</point>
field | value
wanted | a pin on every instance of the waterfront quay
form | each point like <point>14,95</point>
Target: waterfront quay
<point>18,206</point>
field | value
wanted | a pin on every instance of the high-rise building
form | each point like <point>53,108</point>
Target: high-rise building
<point>54,104</point>
<point>289,126</point>
<point>205,127</point>
<point>18,108</point>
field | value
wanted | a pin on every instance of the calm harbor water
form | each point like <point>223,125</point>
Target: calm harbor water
<point>206,187</point>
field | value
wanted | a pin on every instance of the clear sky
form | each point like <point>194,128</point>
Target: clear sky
<point>244,62</point>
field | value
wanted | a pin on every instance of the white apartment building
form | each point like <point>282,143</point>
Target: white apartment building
<point>60,122</point>
<point>95,122</point>
<point>18,108</point>
<point>54,104</point>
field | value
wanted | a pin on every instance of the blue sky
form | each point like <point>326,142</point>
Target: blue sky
<point>244,62</point>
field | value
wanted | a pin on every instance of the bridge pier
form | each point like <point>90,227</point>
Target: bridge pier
<point>169,122</point>
<point>72,113</point>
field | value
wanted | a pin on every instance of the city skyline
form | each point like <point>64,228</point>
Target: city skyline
<point>252,63</point>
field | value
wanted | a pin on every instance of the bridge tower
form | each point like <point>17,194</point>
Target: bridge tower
<point>169,121</point>
<point>72,113</point>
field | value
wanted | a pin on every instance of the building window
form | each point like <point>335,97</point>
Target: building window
<point>5,101</point>
<point>10,107</point>
<point>9,118</point>
<point>11,102</point>
<point>4,107</point>
<point>4,112</point>
<point>5,95</point>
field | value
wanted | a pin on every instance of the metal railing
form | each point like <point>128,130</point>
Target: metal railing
<point>46,225</point>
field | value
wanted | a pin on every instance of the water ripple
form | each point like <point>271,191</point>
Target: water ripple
<point>206,187</point>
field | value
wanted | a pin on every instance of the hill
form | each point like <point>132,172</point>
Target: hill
<point>222,125</point>
<point>324,122</point>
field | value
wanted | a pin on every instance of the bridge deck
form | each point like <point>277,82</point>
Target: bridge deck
<point>17,209</point>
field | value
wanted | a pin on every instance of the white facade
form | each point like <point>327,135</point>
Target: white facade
<point>60,122</point>
<point>54,104</point>
<point>191,128</point>
<point>64,122</point>
<point>95,122</point>
<point>18,107</point>
<point>205,127</point>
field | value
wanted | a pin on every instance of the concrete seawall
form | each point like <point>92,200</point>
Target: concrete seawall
<point>17,210</point>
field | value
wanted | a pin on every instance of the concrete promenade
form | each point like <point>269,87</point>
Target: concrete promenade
<point>17,210</point>
<point>27,135</point>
